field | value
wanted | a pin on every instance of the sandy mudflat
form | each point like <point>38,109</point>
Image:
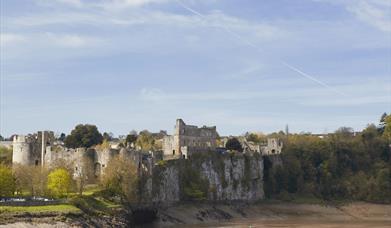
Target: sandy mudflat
<point>275,215</point>
<point>283,215</point>
<point>292,223</point>
<point>34,225</point>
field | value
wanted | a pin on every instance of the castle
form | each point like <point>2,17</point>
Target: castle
<point>189,139</point>
<point>42,149</point>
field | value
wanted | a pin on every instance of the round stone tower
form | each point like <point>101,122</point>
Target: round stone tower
<point>21,150</point>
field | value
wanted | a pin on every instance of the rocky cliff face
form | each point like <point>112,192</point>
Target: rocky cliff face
<point>215,177</point>
<point>165,185</point>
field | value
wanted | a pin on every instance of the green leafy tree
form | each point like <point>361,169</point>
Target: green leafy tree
<point>145,140</point>
<point>194,186</point>
<point>59,182</point>
<point>234,144</point>
<point>387,127</point>
<point>5,155</point>
<point>84,136</point>
<point>7,181</point>
<point>62,137</point>
<point>130,138</point>
<point>108,136</point>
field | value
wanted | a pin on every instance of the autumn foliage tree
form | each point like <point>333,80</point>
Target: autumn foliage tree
<point>145,141</point>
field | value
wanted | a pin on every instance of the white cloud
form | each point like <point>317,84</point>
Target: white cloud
<point>373,13</point>
<point>72,40</point>
<point>343,102</point>
<point>76,3</point>
<point>10,38</point>
<point>68,18</point>
<point>73,3</point>
<point>376,13</point>
<point>118,5</point>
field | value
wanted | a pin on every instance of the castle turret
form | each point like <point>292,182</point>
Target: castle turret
<point>22,151</point>
<point>179,127</point>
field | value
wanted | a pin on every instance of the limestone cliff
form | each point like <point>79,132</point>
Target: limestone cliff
<point>209,177</point>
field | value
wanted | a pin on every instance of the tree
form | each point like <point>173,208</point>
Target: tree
<point>387,127</point>
<point>130,138</point>
<point>108,136</point>
<point>7,181</point>
<point>120,179</point>
<point>145,141</point>
<point>30,179</point>
<point>383,118</point>
<point>105,145</point>
<point>234,144</point>
<point>344,132</point>
<point>59,182</point>
<point>83,136</point>
<point>62,137</point>
<point>252,138</point>
<point>5,155</point>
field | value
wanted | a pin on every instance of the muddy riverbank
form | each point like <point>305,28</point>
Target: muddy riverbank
<point>277,214</point>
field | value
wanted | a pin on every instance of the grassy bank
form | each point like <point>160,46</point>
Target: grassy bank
<point>61,208</point>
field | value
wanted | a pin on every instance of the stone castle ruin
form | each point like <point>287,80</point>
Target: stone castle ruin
<point>31,149</point>
<point>273,147</point>
<point>42,149</point>
<point>189,139</point>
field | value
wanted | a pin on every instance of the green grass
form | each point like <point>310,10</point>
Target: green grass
<point>36,209</point>
<point>89,190</point>
<point>108,204</point>
<point>94,205</point>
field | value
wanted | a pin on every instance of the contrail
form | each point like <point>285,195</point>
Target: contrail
<point>242,39</point>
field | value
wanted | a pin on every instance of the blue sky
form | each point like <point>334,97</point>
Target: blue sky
<point>243,65</point>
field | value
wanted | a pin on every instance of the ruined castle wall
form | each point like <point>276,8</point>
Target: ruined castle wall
<point>22,150</point>
<point>274,146</point>
<point>188,139</point>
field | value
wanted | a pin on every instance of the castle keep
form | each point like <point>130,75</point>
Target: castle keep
<point>189,139</point>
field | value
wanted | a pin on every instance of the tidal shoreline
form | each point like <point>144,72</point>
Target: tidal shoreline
<point>281,214</point>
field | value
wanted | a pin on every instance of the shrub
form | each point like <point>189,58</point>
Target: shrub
<point>59,182</point>
<point>7,181</point>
